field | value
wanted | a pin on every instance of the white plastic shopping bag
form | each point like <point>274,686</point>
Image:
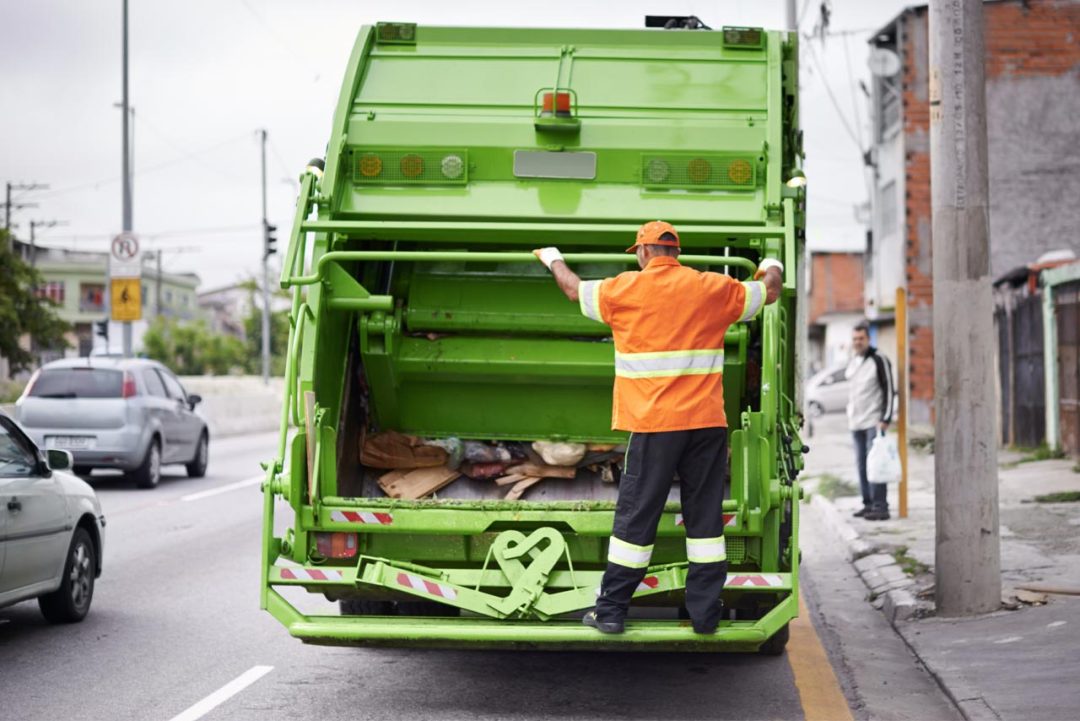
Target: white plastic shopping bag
<point>883,460</point>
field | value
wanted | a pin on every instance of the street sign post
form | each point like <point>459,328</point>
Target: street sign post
<point>125,278</point>
<point>126,299</point>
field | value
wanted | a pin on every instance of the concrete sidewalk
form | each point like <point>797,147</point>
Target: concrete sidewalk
<point>1012,664</point>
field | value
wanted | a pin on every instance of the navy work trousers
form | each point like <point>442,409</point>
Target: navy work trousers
<point>652,459</point>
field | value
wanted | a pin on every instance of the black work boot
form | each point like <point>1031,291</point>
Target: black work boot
<point>590,619</point>
<point>879,515</point>
<point>863,512</point>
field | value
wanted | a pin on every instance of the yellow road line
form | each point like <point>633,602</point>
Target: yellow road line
<point>819,690</point>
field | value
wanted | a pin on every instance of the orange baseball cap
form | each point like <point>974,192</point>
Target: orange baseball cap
<point>649,234</point>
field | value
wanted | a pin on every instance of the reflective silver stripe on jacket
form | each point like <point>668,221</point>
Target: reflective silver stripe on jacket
<point>669,363</point>
<point>755,299</point>
<point>589,299</point>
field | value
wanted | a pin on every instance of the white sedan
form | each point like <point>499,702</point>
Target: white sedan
<point>51,529</point>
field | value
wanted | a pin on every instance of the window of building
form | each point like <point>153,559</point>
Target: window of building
<point>53,290</point>
<point>168,297</point>
<point>91,297</point>
<point>144,294</point>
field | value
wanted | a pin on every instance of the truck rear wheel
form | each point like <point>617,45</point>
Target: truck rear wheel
<point>776,644</point>
<point>426,608</point>
<point>351,607</point>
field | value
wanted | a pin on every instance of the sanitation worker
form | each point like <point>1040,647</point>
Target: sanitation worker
<point>668,323</point>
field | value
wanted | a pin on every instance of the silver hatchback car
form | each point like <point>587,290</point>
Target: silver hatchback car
<point>126,414</point>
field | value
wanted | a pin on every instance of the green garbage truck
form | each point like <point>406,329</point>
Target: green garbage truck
<point>425,334</point>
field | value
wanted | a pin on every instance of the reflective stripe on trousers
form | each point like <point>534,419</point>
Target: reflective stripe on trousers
<point>706,550</point>
<point>627,554</point>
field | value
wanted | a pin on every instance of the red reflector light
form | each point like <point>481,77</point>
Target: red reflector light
<point>336,545</point>
<point>130,390</point>
<point>556,103</point>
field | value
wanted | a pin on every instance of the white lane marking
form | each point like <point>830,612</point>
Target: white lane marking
<point>223,489</point>
<point>1055,624</point>
<point>1010,639</point>
<point>223,694</point>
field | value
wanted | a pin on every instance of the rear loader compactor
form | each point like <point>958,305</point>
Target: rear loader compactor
<point>418,309</point>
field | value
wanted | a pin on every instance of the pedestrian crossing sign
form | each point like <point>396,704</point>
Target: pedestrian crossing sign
<point>126,299</point>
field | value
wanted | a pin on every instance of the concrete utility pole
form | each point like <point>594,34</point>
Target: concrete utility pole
<point>267,250</point>
<point>968,552</point>
<point>790,15</point>
<point>126,161</point>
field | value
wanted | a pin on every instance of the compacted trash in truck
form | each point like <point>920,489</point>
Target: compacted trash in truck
<point>425,334</point>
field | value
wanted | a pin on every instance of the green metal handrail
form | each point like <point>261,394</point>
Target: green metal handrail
<point>488,257</point>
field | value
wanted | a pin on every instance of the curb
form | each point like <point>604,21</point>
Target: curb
<point>883,577</point>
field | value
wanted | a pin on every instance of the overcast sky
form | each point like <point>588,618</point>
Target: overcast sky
<point>206,74</point>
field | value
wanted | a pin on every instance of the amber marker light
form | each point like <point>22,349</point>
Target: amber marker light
<point>412,166</point>
<point>370,166</point>
<point>699,170</point>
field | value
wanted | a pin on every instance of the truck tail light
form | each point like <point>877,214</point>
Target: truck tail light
<point>557,104</point>
<point>336,545</point>
<point>129,390</point>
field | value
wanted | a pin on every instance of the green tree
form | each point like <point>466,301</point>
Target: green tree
<point>23,313</point>
<point>192,349</point>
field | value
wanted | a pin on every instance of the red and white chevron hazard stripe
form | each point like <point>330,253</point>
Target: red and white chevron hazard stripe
<point>310,574</point>
<point>764,580</point>
<point>382,519</point>
<point>649,583</point>
<point>422,584</point>
<point>729,519</point>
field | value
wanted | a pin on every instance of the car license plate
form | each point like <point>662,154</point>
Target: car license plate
<point>70,443</point>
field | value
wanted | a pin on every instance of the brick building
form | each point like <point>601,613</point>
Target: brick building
<point>1033,127</point>
<point>836,305</point>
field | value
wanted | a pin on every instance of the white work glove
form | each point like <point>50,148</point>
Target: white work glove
<point>548,256</point>
<point>765,265</point>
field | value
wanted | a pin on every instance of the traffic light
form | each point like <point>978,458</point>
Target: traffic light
<point>269,241</point>
<point>102,328</point>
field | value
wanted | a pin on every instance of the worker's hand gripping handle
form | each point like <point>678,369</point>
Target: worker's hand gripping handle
<point>548,256</point>
<point>764,265</point>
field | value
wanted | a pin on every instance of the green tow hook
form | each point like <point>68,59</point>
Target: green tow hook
<point>528,581</point>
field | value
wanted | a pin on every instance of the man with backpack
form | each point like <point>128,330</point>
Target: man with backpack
<point>869,412</point>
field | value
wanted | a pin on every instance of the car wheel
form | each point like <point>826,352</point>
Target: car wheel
<point>816,409</point>
<point>71,602</point>
<point>197,467</point>
<point>148,474</point>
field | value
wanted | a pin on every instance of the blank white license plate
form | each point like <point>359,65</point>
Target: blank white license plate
<point>71,443</point>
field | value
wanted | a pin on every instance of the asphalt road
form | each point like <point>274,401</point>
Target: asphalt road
<point>175,619</point>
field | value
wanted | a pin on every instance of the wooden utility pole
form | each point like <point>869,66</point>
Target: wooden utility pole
<point>968,552</point>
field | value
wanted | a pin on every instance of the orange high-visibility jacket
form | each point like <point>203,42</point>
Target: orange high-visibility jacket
<point>668,322</point>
